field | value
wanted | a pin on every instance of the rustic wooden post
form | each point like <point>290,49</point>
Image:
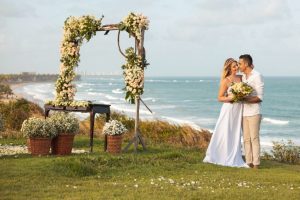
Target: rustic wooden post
<point>137,135</point>
<point>139,47</point>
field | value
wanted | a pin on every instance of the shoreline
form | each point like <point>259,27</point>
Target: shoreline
<point>16,86</point>
<point>266,142</point>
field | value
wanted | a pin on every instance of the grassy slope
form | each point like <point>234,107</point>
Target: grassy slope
<point>144,175</point>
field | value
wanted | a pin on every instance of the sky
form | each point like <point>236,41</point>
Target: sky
<point>185,38</point>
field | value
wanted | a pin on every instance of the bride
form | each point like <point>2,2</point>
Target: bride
<point>225,145</point>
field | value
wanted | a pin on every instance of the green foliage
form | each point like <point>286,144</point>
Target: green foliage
<point>158,132</point>
<point>133,72</point>
<point>5,90</point>
<point>65,123</point>
<point>28,77</point>
<point>133,24</point>
<point>284,152</point>
<point>76,30</point>
<point>1,123</point>
<point>16,111</point>
<point>38,128</point>
<point>74,167</point>
<point>161,172</point>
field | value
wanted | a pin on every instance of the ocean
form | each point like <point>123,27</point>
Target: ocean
<point>187,100</point>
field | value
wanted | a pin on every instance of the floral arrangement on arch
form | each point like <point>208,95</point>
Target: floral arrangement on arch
<point>78,29</point>
<point>133,69</point>
<point>75,31</point>
<point>134,24</point>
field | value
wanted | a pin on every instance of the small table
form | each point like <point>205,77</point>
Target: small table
<point>93,109</point>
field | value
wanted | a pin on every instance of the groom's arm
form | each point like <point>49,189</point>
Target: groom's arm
<point>259,88</point>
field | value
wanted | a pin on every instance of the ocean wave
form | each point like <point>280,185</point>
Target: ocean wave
<point>179,81</point>
<point>162,81</point>
<point>117,91</point>
<point>159,107</point>
<point>182,122</point>
<point>129,110</point>
<point>85,84</point>
<point>111,97</point>
<point>44,89</point>
<point>95,94</point>
<point>275,121</point>
<point>149,99</point>
<point>187,100</point>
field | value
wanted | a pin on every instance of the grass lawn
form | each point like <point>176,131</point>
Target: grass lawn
<point>161,172</point>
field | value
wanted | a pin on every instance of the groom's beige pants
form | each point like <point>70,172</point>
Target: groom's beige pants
<point>251,126</point>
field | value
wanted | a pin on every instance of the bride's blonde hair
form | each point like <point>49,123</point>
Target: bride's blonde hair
<point>227,68</point>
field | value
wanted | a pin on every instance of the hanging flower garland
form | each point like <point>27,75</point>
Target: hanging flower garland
<point>133,75</point>
<point>134,23</point>
<point>75,31</point>
<point>85,27</point>
<point>134,66</point>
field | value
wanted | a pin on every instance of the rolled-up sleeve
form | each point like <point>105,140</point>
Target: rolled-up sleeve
<point>259,86</point>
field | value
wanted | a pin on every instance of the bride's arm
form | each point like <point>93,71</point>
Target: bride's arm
<point>222,92</point>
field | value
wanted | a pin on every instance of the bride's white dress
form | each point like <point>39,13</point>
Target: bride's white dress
<point>225,145</point>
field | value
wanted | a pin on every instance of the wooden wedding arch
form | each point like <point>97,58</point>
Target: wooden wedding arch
<point>139,50</point>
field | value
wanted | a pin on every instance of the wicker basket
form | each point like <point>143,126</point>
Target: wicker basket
<point>114,144</point>
<point>28,145</point>
<point>62,144</point>
<point>40,146</point>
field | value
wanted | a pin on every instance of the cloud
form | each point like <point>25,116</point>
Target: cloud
<point>217,19</point>
<point>242,12</point>
<point>12,9</point>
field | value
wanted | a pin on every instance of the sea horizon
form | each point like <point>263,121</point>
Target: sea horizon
<point>185,100</point>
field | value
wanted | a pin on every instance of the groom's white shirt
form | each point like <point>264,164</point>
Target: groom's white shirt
<point>255,80</point>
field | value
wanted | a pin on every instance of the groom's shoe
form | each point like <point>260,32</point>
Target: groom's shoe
<point>250,165</point>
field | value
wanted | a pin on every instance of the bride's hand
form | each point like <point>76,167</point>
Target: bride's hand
<point>230,98</point>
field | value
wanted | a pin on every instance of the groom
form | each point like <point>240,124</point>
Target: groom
<point>252,111</point>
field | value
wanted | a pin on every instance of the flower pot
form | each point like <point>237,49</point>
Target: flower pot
<point>114,144</point>
<point>40,146</point>
<point>62,144</point>
<point>28,145</point>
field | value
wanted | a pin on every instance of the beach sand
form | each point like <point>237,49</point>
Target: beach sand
<point>16,95</point>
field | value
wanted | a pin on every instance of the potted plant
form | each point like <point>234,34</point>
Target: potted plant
<point>40,132</point>
<point>114,130</point>
<point>67,125</point>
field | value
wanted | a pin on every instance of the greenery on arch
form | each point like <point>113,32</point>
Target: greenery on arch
<point>80,29</point>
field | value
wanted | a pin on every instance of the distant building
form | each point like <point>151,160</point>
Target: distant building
<point>28,73</point>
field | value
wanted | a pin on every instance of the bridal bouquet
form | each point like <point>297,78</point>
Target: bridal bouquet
<point>240,90</point>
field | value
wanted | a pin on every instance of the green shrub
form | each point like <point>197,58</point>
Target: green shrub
<point>1,123</point>
<point>284,152</point>
<point>16,111</point>
<point>5,90</point>
<point>157,131</point>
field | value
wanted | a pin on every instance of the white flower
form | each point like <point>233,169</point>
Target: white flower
<point>114,127</point>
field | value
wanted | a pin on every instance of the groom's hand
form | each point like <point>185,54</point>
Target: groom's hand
<point>252,99</point>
